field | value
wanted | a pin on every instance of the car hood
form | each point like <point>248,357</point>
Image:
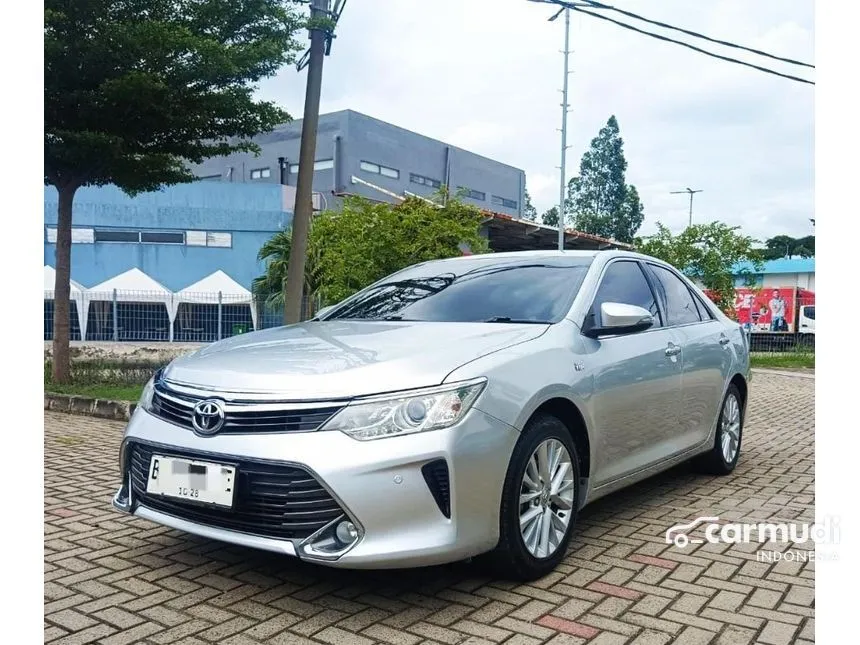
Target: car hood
<point>343,359</point>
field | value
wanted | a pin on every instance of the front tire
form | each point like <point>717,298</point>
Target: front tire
<point>724,455</point>
<point>540,500</point>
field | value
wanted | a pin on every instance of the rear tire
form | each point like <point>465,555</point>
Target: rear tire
<point>540,500</point>
<point>722,458</point>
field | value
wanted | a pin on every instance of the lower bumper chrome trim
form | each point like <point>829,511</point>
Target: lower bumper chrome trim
<point>283,547</point>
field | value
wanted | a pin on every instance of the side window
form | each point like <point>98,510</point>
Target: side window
<point>625,283</point>
<point>680,307</point>
<point>704,311</point>
<point>809,312</point>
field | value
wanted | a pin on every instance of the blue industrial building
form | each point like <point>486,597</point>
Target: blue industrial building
<point>133,257</point>
<point>177,235</point>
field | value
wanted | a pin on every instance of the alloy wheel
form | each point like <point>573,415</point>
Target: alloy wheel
<point>731,428</point>
<point>546,498</point>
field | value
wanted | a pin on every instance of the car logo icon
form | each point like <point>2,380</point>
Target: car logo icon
<point>679,534</point>
<point>207,417</point>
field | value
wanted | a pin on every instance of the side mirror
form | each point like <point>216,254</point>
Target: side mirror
<point>619,318</point>
<point>323,312</point>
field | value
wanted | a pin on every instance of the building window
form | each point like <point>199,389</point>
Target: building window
<point>322,164</point>
<point>261,173</point>
<point>210,178</point>
<point>208,238</point>
<point>378,169</point>
<point>424,181</point>
<point>501,201</point>
<point>117,236</point>
<point>219,239</point>
<point>162,237</point>
<point>472,194</point>
<point>195,238</point>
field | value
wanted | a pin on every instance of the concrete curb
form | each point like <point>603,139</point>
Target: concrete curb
<point>761,370</point>
<point>73,404</point>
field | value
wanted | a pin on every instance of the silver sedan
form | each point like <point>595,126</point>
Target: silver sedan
<point>458,408</point>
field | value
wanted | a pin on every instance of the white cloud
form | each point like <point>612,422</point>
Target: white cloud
<point>485,74</point>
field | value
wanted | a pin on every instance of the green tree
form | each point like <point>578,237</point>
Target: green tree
<point>135,89</point>
<point>550,217</point>
<point>630,218</point>
<point>707,253</point>
<point>529,211</point>
<point>599,200</point>
<point>784,246</point>
<point>366,241</point>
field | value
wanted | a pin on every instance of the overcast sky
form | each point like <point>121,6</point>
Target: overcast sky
<point>485,75</point>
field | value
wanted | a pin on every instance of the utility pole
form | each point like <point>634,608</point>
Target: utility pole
<point>564,109</point>
<point>320,36</point>
<point>691,193</point>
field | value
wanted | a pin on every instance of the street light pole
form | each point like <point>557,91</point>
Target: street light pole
<point>564,109</point>
<point>691,193</point>
<point>303,209</point>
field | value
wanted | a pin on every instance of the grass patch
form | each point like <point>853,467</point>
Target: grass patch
<point>99,391</point>
<point>783,361</point>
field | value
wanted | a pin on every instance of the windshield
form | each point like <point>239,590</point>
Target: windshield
<point>533,292</point>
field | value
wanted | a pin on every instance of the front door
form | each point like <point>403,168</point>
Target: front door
<point>637,382</point>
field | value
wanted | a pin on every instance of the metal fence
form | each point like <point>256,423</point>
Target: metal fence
<point>154,316</point>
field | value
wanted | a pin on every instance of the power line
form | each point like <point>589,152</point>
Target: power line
<point>678,42</point>
<point>696,34</point>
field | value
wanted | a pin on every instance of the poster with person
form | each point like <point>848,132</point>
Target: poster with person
<point>766,309</point>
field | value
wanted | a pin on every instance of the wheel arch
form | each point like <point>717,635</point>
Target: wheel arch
<point>571,415</point>
<point>740,382</point>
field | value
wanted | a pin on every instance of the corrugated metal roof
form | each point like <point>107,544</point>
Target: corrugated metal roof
<point>782,265</point>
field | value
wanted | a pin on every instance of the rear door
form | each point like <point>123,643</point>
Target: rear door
<point>637,380</point>
<point>706,352</point>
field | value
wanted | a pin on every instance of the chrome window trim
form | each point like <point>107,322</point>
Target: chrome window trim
<point>685,282</point>
<point>640,262</point>
<point>593,296</point>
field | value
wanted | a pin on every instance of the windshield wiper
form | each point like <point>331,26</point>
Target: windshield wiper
<point>518,321</point>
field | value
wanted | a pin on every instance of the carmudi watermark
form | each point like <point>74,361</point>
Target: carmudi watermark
<point>711,530</point>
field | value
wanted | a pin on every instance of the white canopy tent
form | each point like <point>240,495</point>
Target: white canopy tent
<point>134,286</point>
<point>77,293</point>
<point>218,282</point>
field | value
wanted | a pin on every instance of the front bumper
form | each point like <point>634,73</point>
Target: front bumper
<point>379,485</point>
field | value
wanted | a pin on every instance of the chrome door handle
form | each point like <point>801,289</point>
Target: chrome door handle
<point>724,340</point>
<point>673,350</point>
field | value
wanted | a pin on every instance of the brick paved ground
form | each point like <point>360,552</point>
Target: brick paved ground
<point>113,580</point>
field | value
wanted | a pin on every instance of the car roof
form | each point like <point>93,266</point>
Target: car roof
<point>537,255</point>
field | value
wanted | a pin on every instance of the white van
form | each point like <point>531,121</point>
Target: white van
<point>806,319</point>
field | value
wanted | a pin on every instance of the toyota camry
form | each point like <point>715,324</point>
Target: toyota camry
<point>460,408</point>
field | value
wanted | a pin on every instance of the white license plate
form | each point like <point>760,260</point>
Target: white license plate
<point>197,481</point>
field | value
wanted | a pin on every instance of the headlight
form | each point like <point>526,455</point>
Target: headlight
<point>407,412</point>
<point>145,401</point>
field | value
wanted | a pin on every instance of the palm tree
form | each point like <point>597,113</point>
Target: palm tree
<point>269,287</point>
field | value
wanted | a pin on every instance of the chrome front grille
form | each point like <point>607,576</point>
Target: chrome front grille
<point>241,417</point>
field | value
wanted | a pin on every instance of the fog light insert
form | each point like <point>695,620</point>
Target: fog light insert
<point>333,540</point>
<point>346,532</point>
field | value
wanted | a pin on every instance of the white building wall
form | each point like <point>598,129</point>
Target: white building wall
<point>799,280</point>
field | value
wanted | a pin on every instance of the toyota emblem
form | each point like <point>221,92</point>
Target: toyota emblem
<point>208,416</point>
